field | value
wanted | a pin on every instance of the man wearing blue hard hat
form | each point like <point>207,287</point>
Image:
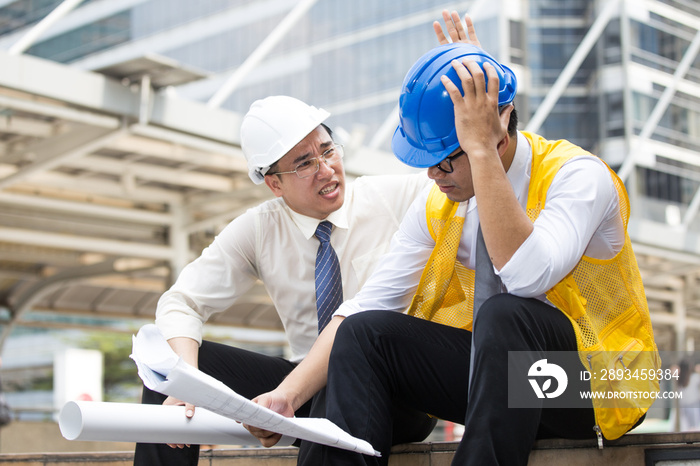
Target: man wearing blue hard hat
<point>520,246</point>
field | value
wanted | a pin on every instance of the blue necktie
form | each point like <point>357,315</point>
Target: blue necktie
<point>329,289</point>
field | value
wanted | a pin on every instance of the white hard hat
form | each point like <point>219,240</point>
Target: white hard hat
<point>272,127</point>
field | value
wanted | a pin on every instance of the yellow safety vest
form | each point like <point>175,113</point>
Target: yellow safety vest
<point>603,299</point>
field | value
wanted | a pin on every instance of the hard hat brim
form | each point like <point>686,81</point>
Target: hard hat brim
<point>414,157</point>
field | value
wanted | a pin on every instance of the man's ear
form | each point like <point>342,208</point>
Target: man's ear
<point>505,120</point>
<point>503,145</point>
<point>275,184</point>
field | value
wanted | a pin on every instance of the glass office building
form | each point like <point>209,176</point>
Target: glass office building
<point>610,100</point>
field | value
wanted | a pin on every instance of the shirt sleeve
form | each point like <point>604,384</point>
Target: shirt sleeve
<point>581,202</point>
<point>212,283</point>
<point>393,283</point>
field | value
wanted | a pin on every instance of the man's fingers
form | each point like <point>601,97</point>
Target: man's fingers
<point>266,438</point>
<point>473,79</point>
<point>451,89</point>
<point>494,83</point>
<point>454,26</point>
<point>178,445</point>
<point>471,32</point>
<point>189,412</point>
<point>437,27</point>
<point>466,78</point>
<point>270,440</point>
<point>476,82</point>
<point>170,401</point>
<point>455,29</point>
<point>258,432</point>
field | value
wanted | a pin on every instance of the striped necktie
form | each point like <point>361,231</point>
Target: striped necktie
<point>329,289</point>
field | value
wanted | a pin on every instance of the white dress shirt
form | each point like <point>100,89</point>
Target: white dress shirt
<point>273,243</point>
<point>581,216</point>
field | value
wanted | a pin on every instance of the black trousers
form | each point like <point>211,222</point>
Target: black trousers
<point>384,357</point>
<point>251,374</point>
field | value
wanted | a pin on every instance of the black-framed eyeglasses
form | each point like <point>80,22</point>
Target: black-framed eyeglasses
<point>446,164</point>
<point>310,166</point>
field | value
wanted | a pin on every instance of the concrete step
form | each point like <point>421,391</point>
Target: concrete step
<point>630,450</point>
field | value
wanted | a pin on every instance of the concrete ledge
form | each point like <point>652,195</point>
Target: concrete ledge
<point>653,439</point>
<point>84,459</point>
<point>630,450</point>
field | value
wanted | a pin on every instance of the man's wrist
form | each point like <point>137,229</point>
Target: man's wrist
<point>482,153</point>
<point>290,394</point>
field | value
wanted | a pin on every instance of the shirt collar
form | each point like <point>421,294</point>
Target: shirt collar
<point>308,225</point>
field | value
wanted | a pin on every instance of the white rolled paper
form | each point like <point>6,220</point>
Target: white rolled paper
<point>131,422</point>
<point>165,372</point>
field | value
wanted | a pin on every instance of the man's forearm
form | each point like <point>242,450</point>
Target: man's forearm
<point>503,222</point>
<point>186,348</point>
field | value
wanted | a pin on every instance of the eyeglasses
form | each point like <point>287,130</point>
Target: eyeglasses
<point>310,166</point>
<point>446,164</point>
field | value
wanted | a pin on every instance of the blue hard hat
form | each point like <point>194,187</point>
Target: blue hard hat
<point>426,134</point>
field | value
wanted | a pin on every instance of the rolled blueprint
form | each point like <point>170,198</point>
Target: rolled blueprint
<point>165,372</point>
<point>131,422</point>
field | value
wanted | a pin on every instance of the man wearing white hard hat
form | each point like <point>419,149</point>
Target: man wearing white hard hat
<point>291,150</point>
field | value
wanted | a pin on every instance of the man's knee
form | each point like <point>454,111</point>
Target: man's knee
<point>360,333</point>
<point>351,332</point>
<point>504,314</point>
<point>496,310</point>
<point>363,326</point>
<point>515,321</point>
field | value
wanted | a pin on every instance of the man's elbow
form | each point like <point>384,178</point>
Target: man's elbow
<point>533,285</point>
